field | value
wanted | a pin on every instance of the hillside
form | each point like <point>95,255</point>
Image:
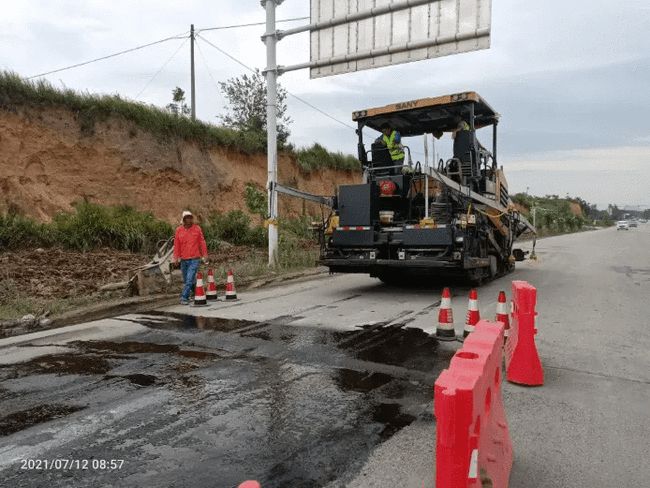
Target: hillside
<point>58,147</point>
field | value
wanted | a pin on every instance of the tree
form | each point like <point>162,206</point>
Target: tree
<point>246,96</point>
<point>178,105</point>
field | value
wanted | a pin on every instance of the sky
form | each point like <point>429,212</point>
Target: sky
<point>570,79</point>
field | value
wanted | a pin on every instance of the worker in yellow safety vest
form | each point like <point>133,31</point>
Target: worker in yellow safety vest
<point>393,141</point>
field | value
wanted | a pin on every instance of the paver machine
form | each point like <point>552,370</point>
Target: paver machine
<point>453,217</point>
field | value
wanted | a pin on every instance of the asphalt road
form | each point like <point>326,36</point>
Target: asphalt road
<point>328,382</point>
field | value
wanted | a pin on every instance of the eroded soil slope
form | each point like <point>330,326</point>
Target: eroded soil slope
<point>47,162</point>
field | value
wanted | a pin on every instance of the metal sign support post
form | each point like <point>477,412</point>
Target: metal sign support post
<point>426,177</point>
<point>270,38</point>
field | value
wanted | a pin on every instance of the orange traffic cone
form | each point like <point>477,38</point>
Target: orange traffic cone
<point>502,311</point>
<point>231,293</point>
<point>473,315</point>
<point>211,294</point>
<point>199,292</point>
<point>445,330</point>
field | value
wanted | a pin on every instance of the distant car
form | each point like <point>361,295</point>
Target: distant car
<point>643,221</point>
<point>633,223</point>
<point>622,225</point>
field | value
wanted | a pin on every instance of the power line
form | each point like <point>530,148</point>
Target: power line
<point>235,26</point>
<point>240,63</point>
<point>207,67</point>
<point>161,68</point>
<point>300,99</point>
<point>321,111</point>
<point>84,63</point>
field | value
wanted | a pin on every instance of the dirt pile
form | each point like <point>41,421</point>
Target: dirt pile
<point>58,274</point>
<point>47,162</point>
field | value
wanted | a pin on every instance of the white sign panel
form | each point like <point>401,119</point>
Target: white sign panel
<point>428,30</point>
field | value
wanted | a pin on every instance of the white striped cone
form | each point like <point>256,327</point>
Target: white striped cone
<point>473,314</point>
<point>199,292</point>
<point>445,330</point>
<point>502,312</point>
<point>231,293</point>
<point>211,293</point>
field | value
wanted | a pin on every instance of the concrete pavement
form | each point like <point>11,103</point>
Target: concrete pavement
<point>328,382</point>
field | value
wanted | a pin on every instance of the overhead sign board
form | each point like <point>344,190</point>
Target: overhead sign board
<point>344,40</point>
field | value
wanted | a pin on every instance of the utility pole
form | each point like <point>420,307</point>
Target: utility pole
<point>270,38</point>
<point>192,82</point>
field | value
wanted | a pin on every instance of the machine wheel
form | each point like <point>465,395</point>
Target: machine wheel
<point>494,266</point>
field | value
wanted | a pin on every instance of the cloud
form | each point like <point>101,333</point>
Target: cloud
<point>569,78</point>
<point>624,159</point>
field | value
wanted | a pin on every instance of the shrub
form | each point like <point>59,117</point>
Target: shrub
<point>233,227</point>
<point>317,157</point>
<point>17,231</point>
<point>88,227</point>
<point>256,200</point>
<point>118,227</point>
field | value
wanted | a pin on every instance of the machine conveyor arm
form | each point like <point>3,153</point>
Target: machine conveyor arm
<point>293,192</point>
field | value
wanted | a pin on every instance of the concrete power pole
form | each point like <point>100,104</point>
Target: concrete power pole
<point>271,73</point>
<point>192,81</point>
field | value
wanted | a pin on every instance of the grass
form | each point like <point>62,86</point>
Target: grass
<point>17,92</point>
<point>316,158</point>
<point>295,255</point>
<point>89,226</point>
<point>14,305</point>
<point>233,227</point>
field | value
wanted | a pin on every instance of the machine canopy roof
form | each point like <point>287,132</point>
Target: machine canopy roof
<point>428,115</point>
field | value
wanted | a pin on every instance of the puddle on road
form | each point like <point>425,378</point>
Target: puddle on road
<point>168,320</point>
<point>391,417</point>
<point>67,363</point>
<point>361,381</point>
<point>295,406</point>
<point>136,378</point>
<point>131,347</point>
<point>18,421</point>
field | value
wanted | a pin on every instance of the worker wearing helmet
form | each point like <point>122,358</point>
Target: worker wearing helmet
<point>393,141</point>
<point>189,249</point>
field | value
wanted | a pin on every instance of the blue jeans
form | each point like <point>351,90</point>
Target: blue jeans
<point>189,268</point>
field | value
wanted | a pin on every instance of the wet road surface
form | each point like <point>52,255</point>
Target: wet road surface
<point>327,382</point>
<point>206,401</point>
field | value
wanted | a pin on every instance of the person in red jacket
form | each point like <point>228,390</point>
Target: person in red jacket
<point>189,249</point>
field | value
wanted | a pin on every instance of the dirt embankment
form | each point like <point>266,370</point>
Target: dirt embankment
<point>47,163</point>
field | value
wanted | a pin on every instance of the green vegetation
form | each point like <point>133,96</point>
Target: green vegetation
<point>553,215</point>
<point>316,158</point>
<point>246,96</point>
<point>256,200</point>
<point>16,92</point>
<point>14,304</point>
<point>90,226</point>
<point>233,227</point>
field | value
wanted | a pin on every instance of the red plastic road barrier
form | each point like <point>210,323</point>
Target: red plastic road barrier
<point>250,484</point>
<point>523,365</point>
<point>472,440</point>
